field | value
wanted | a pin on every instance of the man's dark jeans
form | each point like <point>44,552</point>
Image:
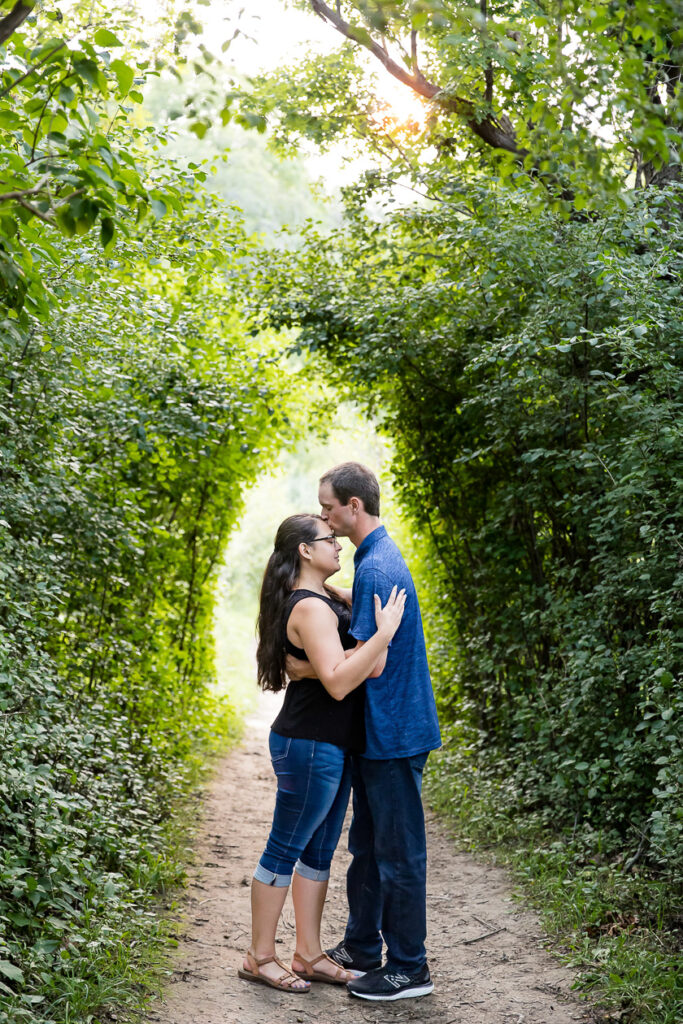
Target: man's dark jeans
<point>387,880</point>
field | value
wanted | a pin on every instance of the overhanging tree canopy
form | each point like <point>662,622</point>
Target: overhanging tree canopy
<point>584,97</point>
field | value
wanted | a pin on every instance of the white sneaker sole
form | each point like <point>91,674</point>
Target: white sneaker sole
<point>408,993</point>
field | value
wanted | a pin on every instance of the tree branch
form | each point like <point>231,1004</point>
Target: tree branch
<point>36,213</point>
<point>30,71</point>
<point>11,22</point>
<point>486,129</point>
<point>488,71</point>
<point>22,193</point>
<point>50,94</point>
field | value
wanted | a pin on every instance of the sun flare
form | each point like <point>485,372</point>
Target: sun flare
<point>400,109</point>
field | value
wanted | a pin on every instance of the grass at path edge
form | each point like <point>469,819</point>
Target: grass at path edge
<point>619,926</point>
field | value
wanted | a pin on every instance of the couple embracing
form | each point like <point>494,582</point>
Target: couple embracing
<point>358,714</point>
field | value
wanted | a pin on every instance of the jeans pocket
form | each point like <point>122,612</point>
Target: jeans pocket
<point>279,747</point>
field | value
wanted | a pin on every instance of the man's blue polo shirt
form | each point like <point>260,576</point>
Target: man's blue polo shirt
<point>400,713</point>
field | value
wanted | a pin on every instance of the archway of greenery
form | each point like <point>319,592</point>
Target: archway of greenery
<point>516,332</point>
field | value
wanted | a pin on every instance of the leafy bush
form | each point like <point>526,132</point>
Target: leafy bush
<point>529,372</point>
<point>133,412</point>
<point>131,421</point>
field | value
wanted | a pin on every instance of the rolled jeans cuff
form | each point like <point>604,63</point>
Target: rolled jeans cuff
<point>314,874</point>
<point>271,877</point>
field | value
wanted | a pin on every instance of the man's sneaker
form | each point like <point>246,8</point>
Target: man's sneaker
<point>386,983</point>
<point>351,960</point>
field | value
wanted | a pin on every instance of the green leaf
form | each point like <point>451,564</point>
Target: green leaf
<point>200,128</point>
<point>250,120</point>
<point>9,119</point>
<point>124,75</point>
<point>87,69</point>
<point>107,231</point>
<point>10,971</point>
<point>158,208</point>
<point>103,37</point>
<point>65,221</point>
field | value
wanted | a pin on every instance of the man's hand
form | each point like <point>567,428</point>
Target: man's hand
<point>298,669</point>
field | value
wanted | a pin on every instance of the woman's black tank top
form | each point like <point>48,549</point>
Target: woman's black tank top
<point>308,711</point>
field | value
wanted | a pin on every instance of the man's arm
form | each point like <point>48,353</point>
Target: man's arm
<point>367,584</point>
<point>296,668</point>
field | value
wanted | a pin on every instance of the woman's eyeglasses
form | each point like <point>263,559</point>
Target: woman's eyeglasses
<point>330,536</point>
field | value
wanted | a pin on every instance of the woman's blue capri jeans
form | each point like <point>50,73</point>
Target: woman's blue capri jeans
<point>313,784</point>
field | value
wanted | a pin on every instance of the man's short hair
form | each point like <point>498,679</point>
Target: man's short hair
<point>352,480</point>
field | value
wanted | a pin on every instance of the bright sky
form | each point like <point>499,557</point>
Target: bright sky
<point>271,34</point>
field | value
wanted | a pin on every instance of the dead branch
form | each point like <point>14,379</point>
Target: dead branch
<point>486,935</point>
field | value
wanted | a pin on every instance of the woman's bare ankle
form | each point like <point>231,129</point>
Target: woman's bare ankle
<point>306,953</point>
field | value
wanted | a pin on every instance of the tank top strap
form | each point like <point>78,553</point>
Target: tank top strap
<point>298,595</point>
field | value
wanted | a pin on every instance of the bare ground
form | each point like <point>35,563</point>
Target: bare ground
<point>486,953</point>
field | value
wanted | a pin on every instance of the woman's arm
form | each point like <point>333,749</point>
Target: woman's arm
<point>299,668</point>
<point>315,625</point>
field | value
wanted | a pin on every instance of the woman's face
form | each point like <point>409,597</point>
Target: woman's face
<point>324,549</point>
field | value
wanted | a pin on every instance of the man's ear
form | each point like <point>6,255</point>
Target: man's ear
<point>355,504</point>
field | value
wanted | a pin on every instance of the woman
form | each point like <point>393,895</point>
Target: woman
<point>321,721</point>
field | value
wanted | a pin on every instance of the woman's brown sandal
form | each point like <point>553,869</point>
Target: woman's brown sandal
<point>309,974</point>
<point>285,982</point>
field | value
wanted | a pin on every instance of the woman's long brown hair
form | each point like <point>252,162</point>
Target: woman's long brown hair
<point>278,582</point>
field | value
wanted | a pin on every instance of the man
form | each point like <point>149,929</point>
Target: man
<point>386,882</point>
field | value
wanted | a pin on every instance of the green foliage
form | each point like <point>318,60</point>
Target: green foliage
<point>130,423</point>
<point>580,98</point>
<point>618,925</point>
<point>529,373</point>
<point>63,102</point>
<point>134,410</point>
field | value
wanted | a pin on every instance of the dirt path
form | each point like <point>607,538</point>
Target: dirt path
<point>505,978</point>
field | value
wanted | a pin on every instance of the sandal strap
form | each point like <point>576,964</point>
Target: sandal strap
<point>263,960</point>
<point>310,964</point>
<point>334,963</point>
<point>287,978</point>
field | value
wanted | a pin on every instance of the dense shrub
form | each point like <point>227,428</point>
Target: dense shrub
<point>131,419</point>
<point>529,372</point>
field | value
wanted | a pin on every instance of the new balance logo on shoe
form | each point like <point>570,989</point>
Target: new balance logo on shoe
<point>350,960</point>
<point>397,979</point>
